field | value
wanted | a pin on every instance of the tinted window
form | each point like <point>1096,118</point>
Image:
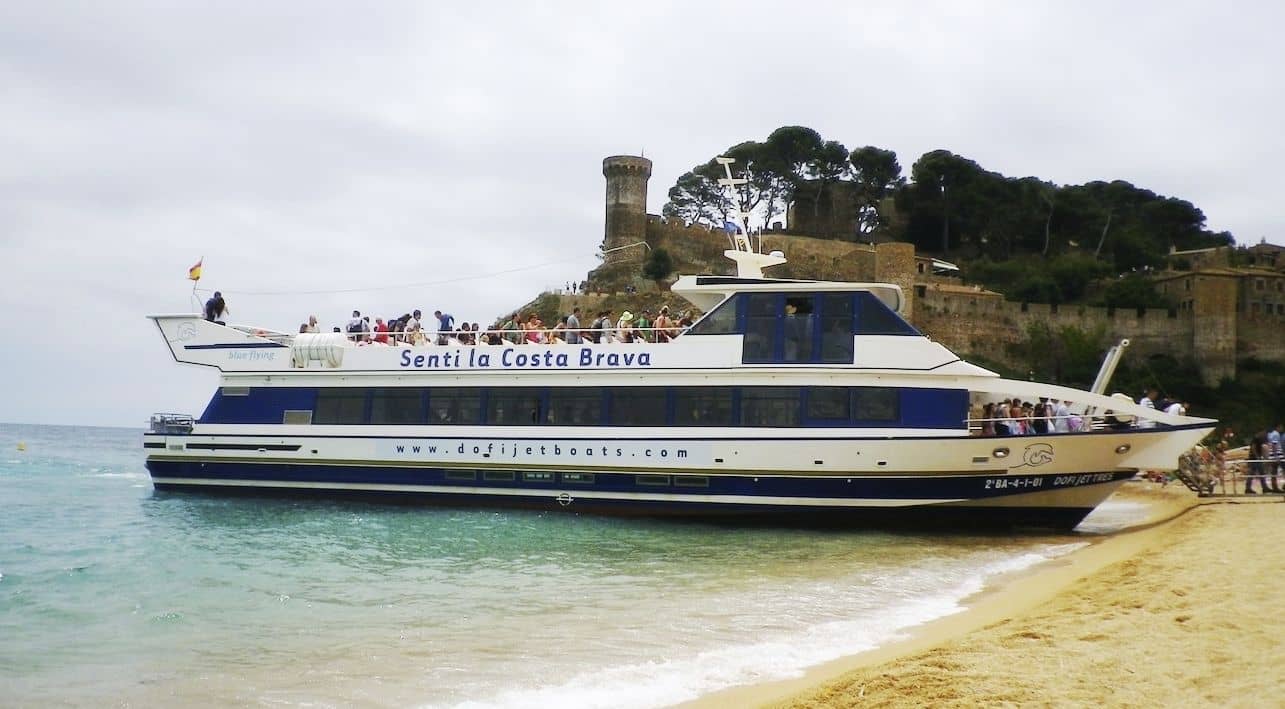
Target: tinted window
<point>638,406</point>
<point>770,406</point>
<point>450,405</point>
<point>797,326</point>
<point>340,406</point>
<point>760,327</point>
<point>836,328</point>
<point>703,406</point>
<point>876,404</point>
<point>575,407</point>
<point>874,318</point>
<point>397,406</point>
<point>829,403</point>
<point>719,321</point>
<point>514,407</point>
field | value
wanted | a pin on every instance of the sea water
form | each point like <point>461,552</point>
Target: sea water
<point>113,592</point>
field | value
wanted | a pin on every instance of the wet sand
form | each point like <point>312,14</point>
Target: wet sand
<point>1178,612</point>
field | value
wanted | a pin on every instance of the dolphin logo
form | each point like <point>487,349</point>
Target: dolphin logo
<point>1037,454</point>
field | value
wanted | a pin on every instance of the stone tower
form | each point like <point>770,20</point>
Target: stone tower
<point>1213,302</point>
<point>626,222</point>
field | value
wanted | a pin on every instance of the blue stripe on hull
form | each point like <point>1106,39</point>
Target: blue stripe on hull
<point>955,518</point>
<point>168,474</point>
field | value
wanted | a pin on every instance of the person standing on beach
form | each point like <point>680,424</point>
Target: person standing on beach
<point>1257,455</point>
<point>1274,455</point>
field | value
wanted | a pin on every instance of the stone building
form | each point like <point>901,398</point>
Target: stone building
<point>626,219</point>
<point>1225,314</point>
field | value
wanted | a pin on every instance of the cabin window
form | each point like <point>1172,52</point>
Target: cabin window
<point>397,406</point>
<point>656,480</point>
<point>579,478</point>
<point>829,404</point>
<point>498,476</point>
<point>455,406</point>
<point>798,323</point>
<point>575,407</point>
<point>760,327</point>
<point>296,417</point>
<point>875,318</point>
<point>876,404</point>
<point>461,475</point>
<point>514,407</point>
<point>338,405</point>
<point>703,406</point>
<point>691,481</point>
<point>721,320</point>
<point>836,328</point>
<point>638,406</point>
<point>770,406</point>
<point>809,327</point>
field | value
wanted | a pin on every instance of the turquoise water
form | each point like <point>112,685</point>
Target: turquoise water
<point>113,592</point>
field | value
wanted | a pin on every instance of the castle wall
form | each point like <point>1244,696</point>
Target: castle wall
<point>833,215</point>
<point>1261,337</point>
<point>987,325</point>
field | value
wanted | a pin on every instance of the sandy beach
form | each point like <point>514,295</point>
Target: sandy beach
<point>1176,612</point>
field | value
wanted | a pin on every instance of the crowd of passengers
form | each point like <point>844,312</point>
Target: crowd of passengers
<point>519,328</point>
<point>1049,415</point>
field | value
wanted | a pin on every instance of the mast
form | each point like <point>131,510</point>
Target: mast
<point>749,263</point>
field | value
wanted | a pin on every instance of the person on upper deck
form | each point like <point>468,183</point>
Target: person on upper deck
<point>216,309</point>
<point>664,325</point>
<point>573,327</point>
<point>355,326</point>
<point>600,330</point>
<point>642,328</point>
<point>625,327</point>
<point>445,325</point>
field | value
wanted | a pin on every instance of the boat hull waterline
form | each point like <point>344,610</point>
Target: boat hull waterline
<point>1034,481</point>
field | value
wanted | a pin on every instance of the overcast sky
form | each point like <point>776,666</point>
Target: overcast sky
<point>313,146</point>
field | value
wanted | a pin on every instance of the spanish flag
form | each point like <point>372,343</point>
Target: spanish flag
<point>194,273</point>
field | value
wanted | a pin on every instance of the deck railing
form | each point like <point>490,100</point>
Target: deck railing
<point>519,336</point>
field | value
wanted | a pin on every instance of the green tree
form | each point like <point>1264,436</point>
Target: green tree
<point>765,189</point>
<point>947,201</point>
<point>828,165</point>
<point>876,175</point>
<point>659,265</point>
<point>696,198</point>
<point>1065,355</point>
<point>1134,291</point>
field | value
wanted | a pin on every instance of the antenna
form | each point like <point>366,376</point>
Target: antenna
<point>749,263</point>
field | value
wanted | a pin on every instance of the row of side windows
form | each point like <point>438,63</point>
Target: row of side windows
<point>781,407</point>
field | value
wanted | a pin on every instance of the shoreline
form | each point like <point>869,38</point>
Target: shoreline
<point>1003,599</point>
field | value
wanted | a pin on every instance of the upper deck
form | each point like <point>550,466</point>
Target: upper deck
<point>750,324</point>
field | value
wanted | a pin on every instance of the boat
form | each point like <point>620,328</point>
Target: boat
<point>788,400</point>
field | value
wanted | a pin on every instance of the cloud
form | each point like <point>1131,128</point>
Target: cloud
<point>309,146</point>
